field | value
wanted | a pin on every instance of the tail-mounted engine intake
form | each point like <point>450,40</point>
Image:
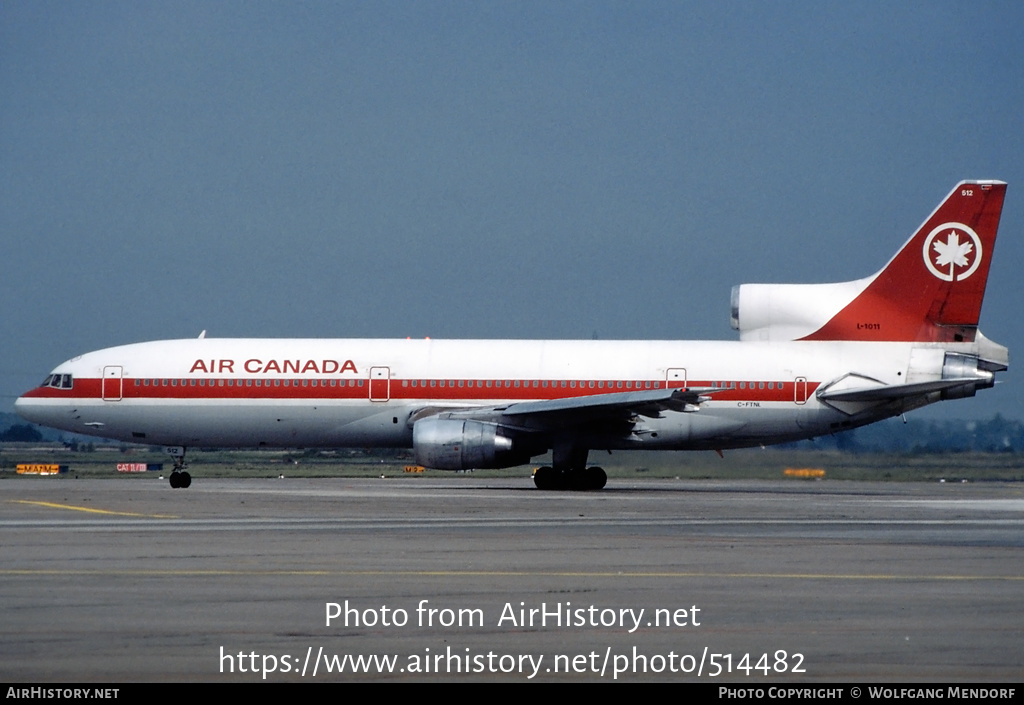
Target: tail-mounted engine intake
<point>455,444</point>
<point>788,311</point>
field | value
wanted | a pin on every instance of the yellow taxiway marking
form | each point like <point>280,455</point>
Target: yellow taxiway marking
<point>54,505</point>
<point>501,573</point>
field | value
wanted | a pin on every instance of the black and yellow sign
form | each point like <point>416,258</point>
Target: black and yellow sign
<point>40,469</point>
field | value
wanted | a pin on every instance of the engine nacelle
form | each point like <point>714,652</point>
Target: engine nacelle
<point>455,444</point>
<point>957,366</point>
<point>788,311</point>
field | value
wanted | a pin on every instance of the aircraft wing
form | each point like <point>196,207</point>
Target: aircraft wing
<point>578,411</point>
<point>644,403</point>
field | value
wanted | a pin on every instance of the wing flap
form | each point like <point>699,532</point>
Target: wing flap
<point>646,403</point>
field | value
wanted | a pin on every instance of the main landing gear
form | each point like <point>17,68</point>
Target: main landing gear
<point>179,476</point>
<point>547,478</point>
<point>569,471</point>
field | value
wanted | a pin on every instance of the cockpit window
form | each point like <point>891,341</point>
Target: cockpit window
<point>58,381</point>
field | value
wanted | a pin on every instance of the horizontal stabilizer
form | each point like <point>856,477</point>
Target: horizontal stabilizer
<point>896,391</point>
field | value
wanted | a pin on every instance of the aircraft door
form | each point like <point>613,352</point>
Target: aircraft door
<point>675,377</point>
<point>380,383</point>
<point>800,390</point>
<point>111,383</point>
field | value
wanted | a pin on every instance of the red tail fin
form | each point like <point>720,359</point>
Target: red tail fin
<point>932,289</point>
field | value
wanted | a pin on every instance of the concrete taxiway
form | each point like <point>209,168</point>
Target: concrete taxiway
<point>463,578</point>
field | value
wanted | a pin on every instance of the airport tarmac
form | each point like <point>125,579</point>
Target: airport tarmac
<point>749,582</point>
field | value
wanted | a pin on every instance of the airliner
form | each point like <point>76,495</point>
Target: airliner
<point>811,359</point>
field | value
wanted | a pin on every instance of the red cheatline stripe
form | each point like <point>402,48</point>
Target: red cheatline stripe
<point>399,389</point>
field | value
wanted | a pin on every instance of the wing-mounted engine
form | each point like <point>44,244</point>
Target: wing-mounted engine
<point>462,444</point>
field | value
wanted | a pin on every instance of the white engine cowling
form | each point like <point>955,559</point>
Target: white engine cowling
<point>788,311</point>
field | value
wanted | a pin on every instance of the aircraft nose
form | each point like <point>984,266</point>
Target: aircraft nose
<point>29,409</point>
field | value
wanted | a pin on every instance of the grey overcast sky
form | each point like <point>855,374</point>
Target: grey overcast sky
<point>482,169</point>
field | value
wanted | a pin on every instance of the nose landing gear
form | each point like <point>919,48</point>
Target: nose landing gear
<point>180,479</point>
<point>179,476</point>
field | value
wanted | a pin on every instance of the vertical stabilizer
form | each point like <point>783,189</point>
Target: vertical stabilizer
<point>932,290</point>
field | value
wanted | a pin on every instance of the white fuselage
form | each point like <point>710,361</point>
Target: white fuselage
<point>336,393</point>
